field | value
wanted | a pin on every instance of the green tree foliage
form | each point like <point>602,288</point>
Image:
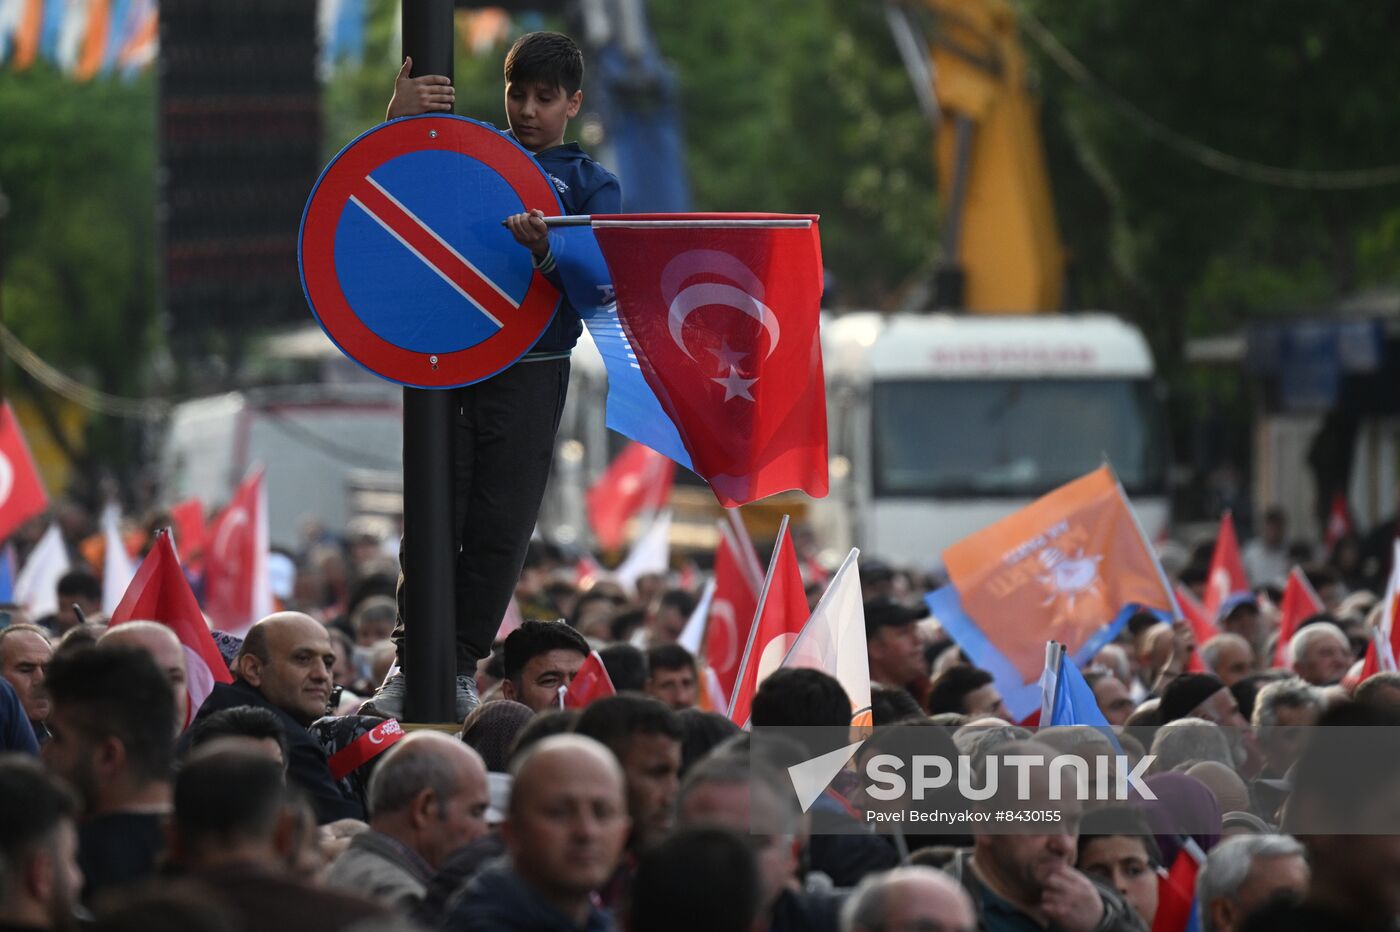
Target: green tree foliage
<point>804,106</point>
<point>78,166</point>
<point>1191,251</point>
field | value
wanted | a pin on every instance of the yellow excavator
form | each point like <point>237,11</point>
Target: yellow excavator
<point>1001,252</point>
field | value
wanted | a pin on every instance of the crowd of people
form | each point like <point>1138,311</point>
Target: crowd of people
<point>276,805</point>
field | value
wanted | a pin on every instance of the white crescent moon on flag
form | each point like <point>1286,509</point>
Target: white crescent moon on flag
<point>706,293</point>
<point>7,478</point>
<point>723,612</point>
<point>745,296</point>
<point>236,519</point>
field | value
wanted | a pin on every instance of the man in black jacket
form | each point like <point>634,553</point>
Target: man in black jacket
<point>285,665</point>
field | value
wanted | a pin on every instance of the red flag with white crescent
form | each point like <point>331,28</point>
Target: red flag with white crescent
<point>237,592</point>
<point>731,611</point>
<point>723,315</point>
<point>782,613</point>
<point>1228,585</point>
<point>22,494</point>
<point>1300,602</point>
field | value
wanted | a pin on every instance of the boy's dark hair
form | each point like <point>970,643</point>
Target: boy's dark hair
<point>669,657</point>
<point>79,583</point>
<point>951,687</point>
<point>548,58</point>
<point>228,795</point>
<point>119,692</point>
<point>614,721</point>
<point>33,804</point>
<point>248,721</point>
<point>626,666</point>
<point>801,697</point>
<point>534,638</point>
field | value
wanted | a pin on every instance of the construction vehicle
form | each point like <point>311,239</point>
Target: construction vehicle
<point>941,423</point>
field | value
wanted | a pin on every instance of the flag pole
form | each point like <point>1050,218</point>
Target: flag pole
<point>584,220</point>
<point>757,614</point>
<point>1053,651</point>
<point>1151,551</point>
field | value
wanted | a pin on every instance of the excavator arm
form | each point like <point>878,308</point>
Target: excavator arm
<point>1001,251</point>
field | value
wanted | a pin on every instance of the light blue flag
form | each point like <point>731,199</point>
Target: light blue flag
<point>1075,703</point>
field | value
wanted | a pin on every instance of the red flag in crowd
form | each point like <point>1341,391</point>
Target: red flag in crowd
<point>639,479</point>
<point>191,533</point>
<point>782,613</point>
<point>1227,585</point>
<point>22,494</point>
<point>735,603</point>
<point>1195,616</point>
<point>590,684</point>
<point>1338,521</point>
<point>1176,894</point>
<point>1300,602</point>
<point>236,588</point>
<point>722,312</point>
<point>159,592</point>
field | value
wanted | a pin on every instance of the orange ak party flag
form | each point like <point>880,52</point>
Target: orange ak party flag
<point>1071,567</point>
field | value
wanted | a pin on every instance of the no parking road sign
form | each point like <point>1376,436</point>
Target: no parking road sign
<point>404,259</point>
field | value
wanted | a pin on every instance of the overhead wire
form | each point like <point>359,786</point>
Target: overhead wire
<point>1206,155</point>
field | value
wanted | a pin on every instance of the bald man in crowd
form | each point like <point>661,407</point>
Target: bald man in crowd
<point>565,833</point>
<point>285,665</point>
<point>427,798</point>
<point>908,898</point>
<point>169,654</point>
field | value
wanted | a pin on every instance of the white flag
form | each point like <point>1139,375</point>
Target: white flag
<point>118,569</point>
<point>36,587</point>
<point>650,554</point>
<point>693,634</point>
<point>833,640</point>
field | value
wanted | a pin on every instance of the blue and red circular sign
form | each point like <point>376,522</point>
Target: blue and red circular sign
<point>405,262</point>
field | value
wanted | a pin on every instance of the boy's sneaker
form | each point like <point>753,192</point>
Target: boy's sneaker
<point>466,695</point>
<point>387,701</point>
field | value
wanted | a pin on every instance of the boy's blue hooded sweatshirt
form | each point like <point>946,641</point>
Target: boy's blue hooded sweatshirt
<point>584,187</point>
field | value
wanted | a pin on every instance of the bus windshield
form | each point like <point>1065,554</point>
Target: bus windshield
<point>1014,437</point>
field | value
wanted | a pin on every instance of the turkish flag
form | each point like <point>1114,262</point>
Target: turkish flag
<point>1176,895</point>
<point>1195,616</point>
<point>724,323</point>
<point>640,478</point>
<point>1227,585</point>
<point>160,592</point>
<point>589,684</point>
<point>191,533</point>
<point>22,494</point>
<point>236,588</point>
<point>782,613</point>
<point>735,602</point>
<point>1300,602</point>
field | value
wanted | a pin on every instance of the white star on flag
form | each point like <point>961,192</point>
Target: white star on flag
<point>728,357</point>
<point>735,385</point>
